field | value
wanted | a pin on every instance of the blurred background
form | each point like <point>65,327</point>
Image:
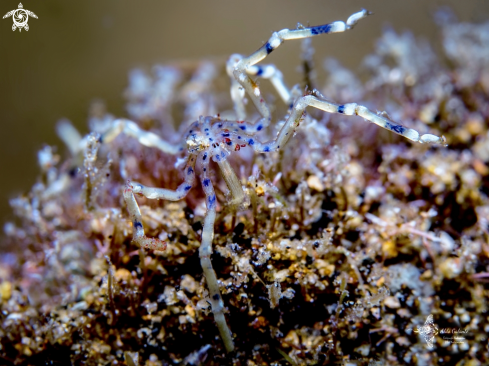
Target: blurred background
<point>80,51</point>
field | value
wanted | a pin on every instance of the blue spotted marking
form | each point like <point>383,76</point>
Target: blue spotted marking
<point>260,71</point>
<point>225,134</point>
<point>266,149</point>
<point>206,182</point>
<point>211,139</point>
<point>205,169</point>
<point>395,128</point>
<point>211,200</point>
<point>229,142</point>
<point>205,156</point>
<point>259,127</point>
<point>137,225</point>
<point>251,141</point>
<point>190,170</point>
<point>242,127</point>
<point>206,130</point>
<point>321,29</point>
<point>223,155</point>
<point>190,131</point>
<point>269,48</point>
<point>239,137</point>
<point>187,188</point>
<point>218,158</point>
<point>341,109</point>
<point>219,125</point>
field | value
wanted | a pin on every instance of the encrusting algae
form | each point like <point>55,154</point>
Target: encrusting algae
<point>346,245</point>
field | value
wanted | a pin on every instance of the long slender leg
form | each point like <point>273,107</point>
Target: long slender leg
<point>233,184</point>
<point>277,38</point>
<point>237,91</point>
<point>144,137</point>
<point>276,78</point>
<point>205,252</point>
<point>262,71</point>
<point>155,193</point>
<point>349,109</point>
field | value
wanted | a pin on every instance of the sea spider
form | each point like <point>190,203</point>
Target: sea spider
<point>213,138</point>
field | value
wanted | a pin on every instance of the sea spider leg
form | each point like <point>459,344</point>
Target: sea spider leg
<point>240,71</point>
<point>237,92</point>
<point>263,71</point>
<point>276,78</point>
<point>146,138</point>
<point>155,193</point>
<point>347,109</point>
<point>233,184</point>
<point>205,252</point>
<point>237,199</point>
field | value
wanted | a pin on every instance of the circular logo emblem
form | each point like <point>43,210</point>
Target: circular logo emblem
<point>20,18</point>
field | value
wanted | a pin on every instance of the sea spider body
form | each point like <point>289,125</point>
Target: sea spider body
<point>213,138</point>
<point>207,135</point>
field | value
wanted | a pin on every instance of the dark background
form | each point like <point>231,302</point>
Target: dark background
<point>81,50</point>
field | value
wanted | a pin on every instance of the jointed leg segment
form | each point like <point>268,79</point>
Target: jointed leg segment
<point>205,252</point>
<point>244,66</point>
<point>347,109</point>
<point>139,236</point>
<point>276,78</point>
